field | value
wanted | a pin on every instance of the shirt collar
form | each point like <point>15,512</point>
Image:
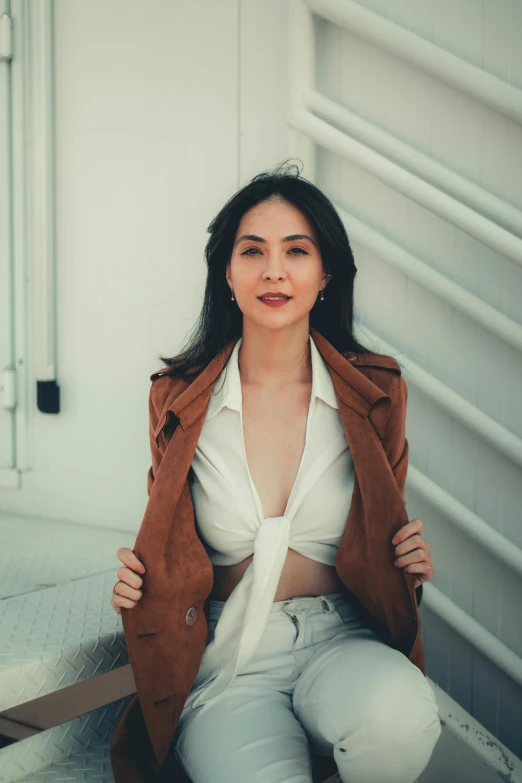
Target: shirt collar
<point>227,389</point>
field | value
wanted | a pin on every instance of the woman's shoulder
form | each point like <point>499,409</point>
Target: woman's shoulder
<point>382,370</point>
<point>165,385</point>
<point>379,361</point>
<point>164,372</point>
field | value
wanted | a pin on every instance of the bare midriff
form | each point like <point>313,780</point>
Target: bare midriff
<point>274,438</point>
<point>300,577</point>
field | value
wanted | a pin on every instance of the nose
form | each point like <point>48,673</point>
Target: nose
<point>274,267</point>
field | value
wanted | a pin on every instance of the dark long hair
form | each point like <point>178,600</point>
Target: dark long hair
<point>221,320</point>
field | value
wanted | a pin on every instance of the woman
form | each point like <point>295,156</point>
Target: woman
<point>276,502</point>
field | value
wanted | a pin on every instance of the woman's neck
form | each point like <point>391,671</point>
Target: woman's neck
<point>275,359</point>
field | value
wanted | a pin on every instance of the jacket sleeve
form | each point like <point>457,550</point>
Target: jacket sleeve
<point>156,454</point>
<point>396,444</point>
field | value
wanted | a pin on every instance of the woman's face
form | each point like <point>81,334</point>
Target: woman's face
<point>275,249</point>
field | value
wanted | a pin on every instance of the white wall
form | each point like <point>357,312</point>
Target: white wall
<point>162,110</point>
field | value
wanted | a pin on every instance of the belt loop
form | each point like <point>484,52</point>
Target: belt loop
<point>327,605</point>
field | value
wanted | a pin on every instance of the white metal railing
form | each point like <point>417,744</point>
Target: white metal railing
<point>406,183</point>
<point>475,633</point>
<point>504,327</point>
<point>459,408</point>
<point>411,174</point>
<point>428,169</point>
<point>469,523</point>
<point>405,45</point>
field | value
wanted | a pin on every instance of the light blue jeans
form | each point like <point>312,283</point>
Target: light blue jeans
<point>322,681</point>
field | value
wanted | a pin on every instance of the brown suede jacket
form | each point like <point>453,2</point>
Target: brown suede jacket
<point>166,632</point>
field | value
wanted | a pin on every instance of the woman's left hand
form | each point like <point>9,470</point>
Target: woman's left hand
<point>413,552</point>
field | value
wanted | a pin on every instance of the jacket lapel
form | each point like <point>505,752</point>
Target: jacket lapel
<point>352,387</point>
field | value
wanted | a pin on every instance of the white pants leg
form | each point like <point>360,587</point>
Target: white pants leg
<point>319,680</point>
<point>249,734</point>
<point>371,707</point>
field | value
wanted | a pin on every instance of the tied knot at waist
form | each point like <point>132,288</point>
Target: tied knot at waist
<point>245,613</point>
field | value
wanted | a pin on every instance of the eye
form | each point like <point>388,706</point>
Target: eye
<point>300,249</point>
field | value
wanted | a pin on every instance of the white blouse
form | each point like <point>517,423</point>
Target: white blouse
<point>230,520</point>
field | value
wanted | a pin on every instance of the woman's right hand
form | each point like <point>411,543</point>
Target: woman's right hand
<point>126,591</point>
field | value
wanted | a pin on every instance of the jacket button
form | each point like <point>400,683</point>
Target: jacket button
<point>190,617</point>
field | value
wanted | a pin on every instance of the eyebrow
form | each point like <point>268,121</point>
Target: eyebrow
<point>290,238</point>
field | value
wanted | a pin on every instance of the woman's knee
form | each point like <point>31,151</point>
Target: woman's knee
<point>400,707</point>
<point>395,709</point>
<point>398,725</point>
<point>397,730</point>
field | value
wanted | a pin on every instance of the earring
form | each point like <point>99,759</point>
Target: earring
<point>232,297</point>
<point>321,294</point>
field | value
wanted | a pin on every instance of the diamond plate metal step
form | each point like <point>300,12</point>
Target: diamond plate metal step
<point>57,637</point>
<point>75,751</point>
<point>58,627</point>
<point>38,553</point>
<point>93,766</point>
<point>58,630</point>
